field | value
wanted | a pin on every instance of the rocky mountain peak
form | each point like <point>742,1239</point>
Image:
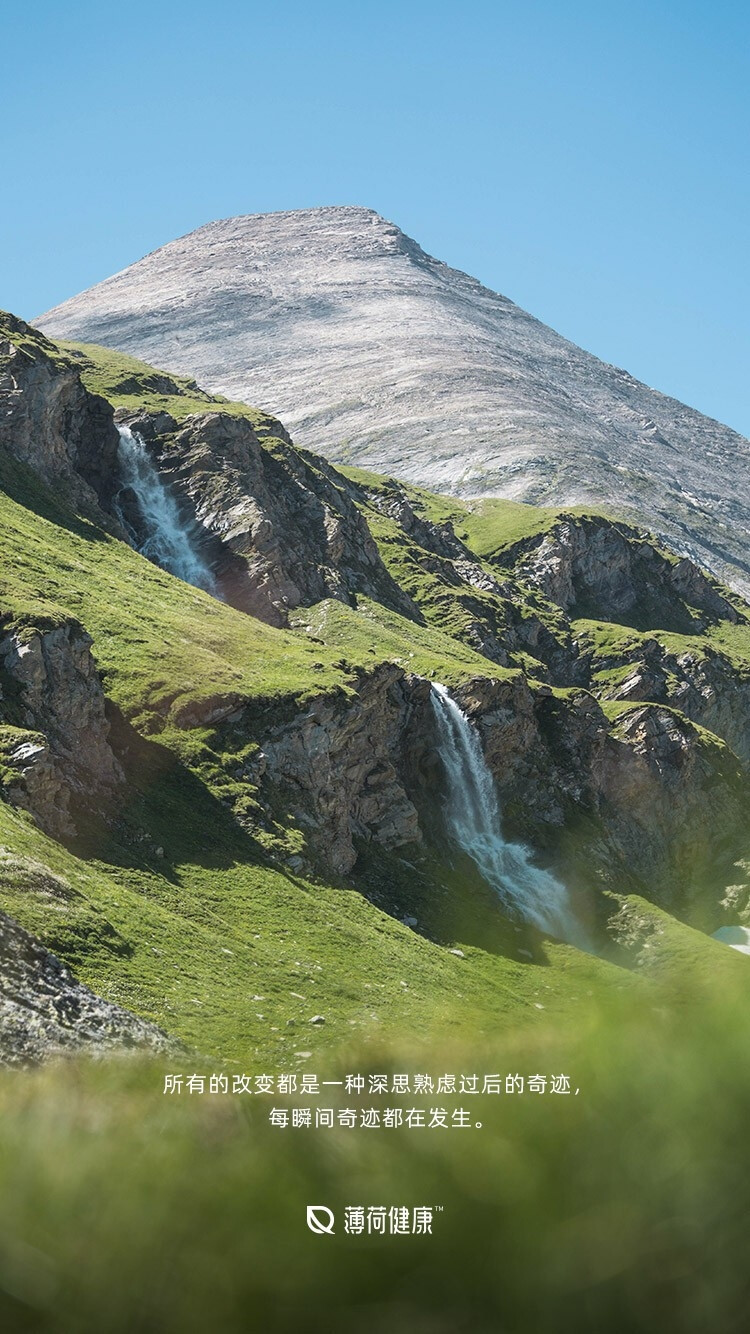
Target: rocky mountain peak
<point>375,354</point>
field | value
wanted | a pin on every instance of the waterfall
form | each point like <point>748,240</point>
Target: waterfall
<point>473,816</point>
<point>156,529</point>
<point>737,937</point>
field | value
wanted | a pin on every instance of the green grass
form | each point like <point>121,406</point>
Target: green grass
<point>31,341</point>
<point>162,645</point>
<point>623,1208</point>
<point>122,1212</point>
<point>190,937</point>
<point>223,949</point>
<point>131,384</point>
<point>487,526</point>
<point>482,619</point>
<point>610,641</point>
<point>375,633</point>
<point>491,527</point>
<point>182,904</point>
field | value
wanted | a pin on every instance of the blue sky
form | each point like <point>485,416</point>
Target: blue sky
<point>588,160</point>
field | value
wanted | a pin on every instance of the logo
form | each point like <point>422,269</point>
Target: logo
<point>374,1219</point>
<point>320,1219</point>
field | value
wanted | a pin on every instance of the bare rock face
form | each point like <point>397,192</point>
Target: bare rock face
<point>278,528</point>
<point>341,763</point>
<point>590,567</point>
<point>49,420</point>
<point>676,797</point>
<point>543,750</point>
<point>376,354</point>
<point>46,1012</point>
<point>55,744</point>
<point>703,685</point>
<point>668,800</point>
<point>662,804</point>
<point>612,572</point>
<point>34,782</point>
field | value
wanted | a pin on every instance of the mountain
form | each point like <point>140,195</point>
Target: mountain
<point>377,355</point>
<point>228,792</point>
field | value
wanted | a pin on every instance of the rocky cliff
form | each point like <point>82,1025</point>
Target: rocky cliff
<point>46,1012</point>
<point>55,737</point>
<point>276,526</point>
<point>283,728</point>
<point>49,421</point>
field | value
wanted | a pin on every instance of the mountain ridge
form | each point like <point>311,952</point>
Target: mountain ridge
<point>375,354</point>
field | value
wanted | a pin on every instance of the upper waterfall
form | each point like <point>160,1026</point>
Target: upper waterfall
<point>473,815</point>
<point>160,534</point>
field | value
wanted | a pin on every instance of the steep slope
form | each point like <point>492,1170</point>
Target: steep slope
<point>378,355</point>
<point>192,791</point>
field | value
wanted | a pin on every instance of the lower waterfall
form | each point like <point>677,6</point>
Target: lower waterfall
<point>160,535</point>
<point>473,816</point>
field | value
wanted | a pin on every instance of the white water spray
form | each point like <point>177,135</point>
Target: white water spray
<point>165,540</point>
<point>473,815</point>
<point>737,937</point>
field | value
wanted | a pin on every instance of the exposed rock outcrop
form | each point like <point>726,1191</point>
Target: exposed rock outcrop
<point>49,420</point>
<point>611,572</point>
<point>277,527</point>
<point>55,746</point>
<point>665,802</point>
<point>519,607</point>
<point>33,781</point>
<point>662,803</point>
<point>340,765</point>
<point>583,607</point>
<point>702,683</point>
<point>46,1012</point>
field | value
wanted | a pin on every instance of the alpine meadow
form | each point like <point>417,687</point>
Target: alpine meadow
<point>308,769</point>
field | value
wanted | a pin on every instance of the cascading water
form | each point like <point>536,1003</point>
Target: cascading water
<point>473,815</point>
<point>160,535</point>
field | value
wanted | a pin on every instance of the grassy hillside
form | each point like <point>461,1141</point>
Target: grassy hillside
<point>499,532</point>
<point>235,956</point>
<point>182,912</point>
<point>209,938</point>
<point>621,1206</point>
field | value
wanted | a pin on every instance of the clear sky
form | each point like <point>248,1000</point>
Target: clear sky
<point>589,160</point>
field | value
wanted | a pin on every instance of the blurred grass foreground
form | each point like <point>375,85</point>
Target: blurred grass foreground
<point>626,1207</point>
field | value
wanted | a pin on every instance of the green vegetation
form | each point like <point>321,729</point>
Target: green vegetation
<point>175,910</point>
<point>488,526</point>
<point>198,932</point>
<point>162,645</point>
<point>375,633</point>
<point>480,617</point>
<point>622,1208</point>
<point>129,383</point>
<point>31,341</point>
<point>182,905</point>
<point>493,526</point>
<point>609,641</point>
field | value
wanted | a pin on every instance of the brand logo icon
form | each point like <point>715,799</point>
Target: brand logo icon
<point>320,1219</point>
